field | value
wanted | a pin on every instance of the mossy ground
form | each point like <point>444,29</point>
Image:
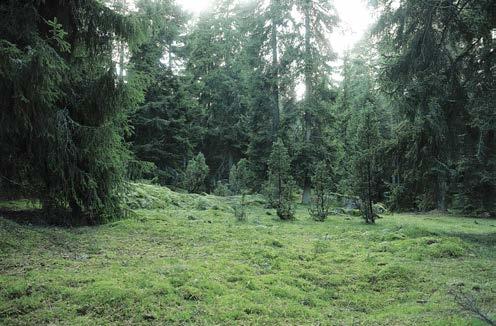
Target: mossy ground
<point>192,262</point>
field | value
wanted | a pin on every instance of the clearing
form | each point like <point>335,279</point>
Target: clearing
<point>185,259</point>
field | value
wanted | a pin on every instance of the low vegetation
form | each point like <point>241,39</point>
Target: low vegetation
<point>183,259</point>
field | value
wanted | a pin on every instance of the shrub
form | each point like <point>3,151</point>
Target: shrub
<point>196,174</point>
<point>321,202</point>
<point>221,189</point>
<point>380,208</point>
<point>240,210</point>
<point>280,186</point>
<point>202,204</point>
<point>240,178</point>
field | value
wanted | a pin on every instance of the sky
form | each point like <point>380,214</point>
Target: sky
<point>354,14</point>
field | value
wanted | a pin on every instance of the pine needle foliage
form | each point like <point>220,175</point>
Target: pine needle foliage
<point>63,112</point>
<point>280,185</point>
<point>322,182</point>
<point>196,174</point>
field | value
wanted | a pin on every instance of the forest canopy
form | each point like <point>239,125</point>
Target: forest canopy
<point>94,94</point>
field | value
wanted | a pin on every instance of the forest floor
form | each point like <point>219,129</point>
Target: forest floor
<point>186,260</point>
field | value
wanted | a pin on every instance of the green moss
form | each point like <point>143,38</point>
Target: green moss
<point>395,275</point>
<point>166,268</point>
<point>19,205</point>
<point>447,248</point>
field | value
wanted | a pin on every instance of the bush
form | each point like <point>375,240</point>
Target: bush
<point>321,201</point>
<point>240,178</point>
<point>202,204</point>
<point>380,208</point>
<point>240,210</point>
<point>137,170</point>
<point>221,189</point>
<point>280,186</point>
<point>285,211</point>
<point>195,175</point>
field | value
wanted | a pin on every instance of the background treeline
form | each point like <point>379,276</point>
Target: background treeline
<point>94,94</point>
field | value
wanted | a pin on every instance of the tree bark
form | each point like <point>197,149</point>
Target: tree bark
<point>275,71</point>
<point>121,61</point>
<point>308,74</point>
<point>441,193</point>
<point>307,186</point>
<point>170,56</point>
<point>307,193</point>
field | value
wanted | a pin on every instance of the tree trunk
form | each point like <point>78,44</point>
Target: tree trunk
<point>370,206</point>
<point>275,73</point>
<point>308,75</point>
<point>230,161</point>
<point>170,56</point>
<point>121,61</point>
<point>307,186</point>
<point>307,192</point>
<point>441,193</point>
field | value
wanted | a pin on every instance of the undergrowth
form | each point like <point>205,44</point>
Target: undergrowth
<point>186,259</point>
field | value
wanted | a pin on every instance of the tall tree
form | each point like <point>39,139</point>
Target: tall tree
<point>217,67</point>
<point>64,112</point>
<point>275,12</point>
<point>365,160</point>
<point>271,32</point>
<point>437,56</point>
<point>168,124</point>
<point>315,55</point>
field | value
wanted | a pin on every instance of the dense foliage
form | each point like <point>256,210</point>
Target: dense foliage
<point>63,112</point>
<point>439,69</point>
<point>195,174</point>
<point>279,188</point>
<point>93,92</point>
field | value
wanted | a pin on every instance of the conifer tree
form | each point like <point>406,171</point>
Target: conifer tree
<point>218,70</point>
<point>314,57</point>
<point>365,160</point>
<point>167,127</point>
<point>64,112</point>
<point>241,178</point>
<point>196,174</point>
<point>322,187</point>
<point>437,68</point>
<point>280,185</point>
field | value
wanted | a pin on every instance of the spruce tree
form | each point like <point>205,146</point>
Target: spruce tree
<point>196,174</point>
<point>437,68</point>
<point>241,178</point>
<point>280,185</point>
<point>167,126</point>
<point>322,187</point>
<point>64,111</point>
<point>365,162</point>
<point>218,70</point>
<point>314,57</point>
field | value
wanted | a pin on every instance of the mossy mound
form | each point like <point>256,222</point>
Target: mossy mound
<point>148,196</point>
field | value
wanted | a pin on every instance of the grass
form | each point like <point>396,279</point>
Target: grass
<point>189,261</point>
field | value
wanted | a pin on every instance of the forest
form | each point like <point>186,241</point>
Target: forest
<point>230,166</point>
